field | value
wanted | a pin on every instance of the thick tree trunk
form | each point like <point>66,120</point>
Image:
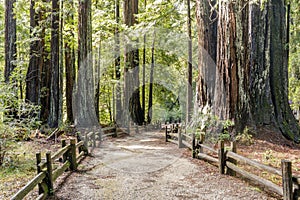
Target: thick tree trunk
<point>33,72</point>
<point>44,63</point>
<point>70,61</point>
<point>226,90</point>
<point>131,72</point>
<point>84,100</point>
<point>54,88</point>
<point>10,39</point>
<point>207,44</point>
<point>251,77</point>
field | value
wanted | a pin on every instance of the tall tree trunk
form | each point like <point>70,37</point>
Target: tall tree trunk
<point>251,78</point>
<point>84,101</point>
<point>54,88</point>
<point>189,100</point>
<point>44,61</point>
<point>150,103</point>
<point>131,72</point>
<point>144,71</point>
<point>70,61</point>
<point>97,80</point>
<point>61,63</point>
<point>117,64</point>
<point>226,93</point>
<point>10,39</point>
<point>207,55</point>
<point>33,72</point>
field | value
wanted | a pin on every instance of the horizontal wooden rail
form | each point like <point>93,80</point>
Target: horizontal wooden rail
<point>271,186</point>
<point>253,163</point>
<point>60,152</point>
<point>59,171</point>
<point>207,157</point>
<point>90,134</point>
<point>185,143</point>
<point>45,179</point>
<point>80,155</point>
<point>208,148</point>
<point>187,136</point>
<point>29,186</point>
<point>173,141</point>
<point>230,158</point>
<point>79,144</point>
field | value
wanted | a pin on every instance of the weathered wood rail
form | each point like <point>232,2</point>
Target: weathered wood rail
<point>228,162</point>
<point>66,158</point>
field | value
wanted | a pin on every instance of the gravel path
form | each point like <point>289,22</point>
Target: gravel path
<point>143,166</point>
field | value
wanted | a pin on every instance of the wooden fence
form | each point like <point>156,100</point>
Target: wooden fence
<point>66,158</point>
<point>228,160</point>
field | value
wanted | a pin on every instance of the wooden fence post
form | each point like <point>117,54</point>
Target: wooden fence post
<point>287,183</point>
<point>233,161</point>
<point>193,146</point>
<point>38,161</point>
<point>180,145</point>
<point>49,174</point>
<point>72,156</point>
<point>221,157</point>
<point>166,133</point>
<point>115,132</point>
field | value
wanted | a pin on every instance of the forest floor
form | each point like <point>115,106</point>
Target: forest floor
<point>143,166</point>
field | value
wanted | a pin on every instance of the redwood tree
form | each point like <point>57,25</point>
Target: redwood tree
<point>131,72</point>
<point>54,88</point>
<point>83,103</point>
<point>33,72</point>
<point>10,39</point>
<point>69,60</point>
<point>207,55</point>
<point>251,69</point>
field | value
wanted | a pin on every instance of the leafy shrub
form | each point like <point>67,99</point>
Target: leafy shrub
<point>214,128</point>
<point>245,137</point>
<point>17,118</point>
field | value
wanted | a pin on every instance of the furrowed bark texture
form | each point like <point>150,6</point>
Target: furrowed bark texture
<point>132,102</point>
<point>251,66</point>
<point>83,101</point>
<point>207,44</point>
<point>54,88</point>
<point>10,39</point>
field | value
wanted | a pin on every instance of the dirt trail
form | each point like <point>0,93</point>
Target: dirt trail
<point>143,166</point>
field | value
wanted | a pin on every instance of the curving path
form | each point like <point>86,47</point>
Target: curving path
<point>143,166</point>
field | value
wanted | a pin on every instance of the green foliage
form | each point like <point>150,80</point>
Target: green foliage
<point>17,118</point>
<point>245,137</point>
<point>215,129</point>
